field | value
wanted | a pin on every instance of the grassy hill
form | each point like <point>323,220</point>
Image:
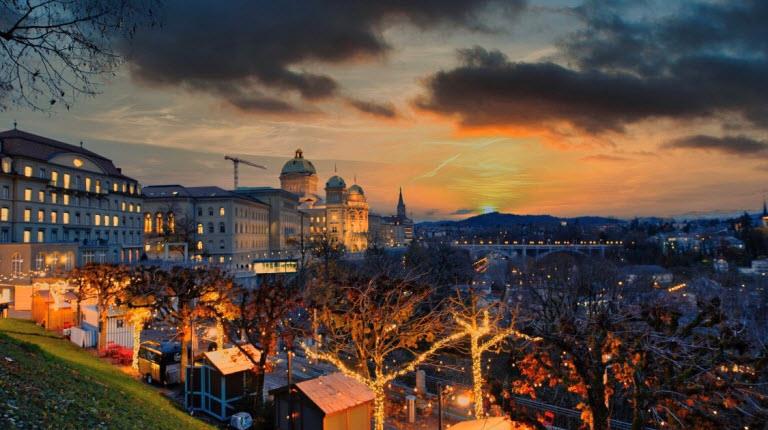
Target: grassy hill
<point>48,383</point>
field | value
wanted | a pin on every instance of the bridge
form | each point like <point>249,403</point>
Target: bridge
<point>536,249</point>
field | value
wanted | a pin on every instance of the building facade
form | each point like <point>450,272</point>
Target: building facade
<point>65,205</point>
<point>205,224</point>
<point>342,216</point>
<point>395,230</point>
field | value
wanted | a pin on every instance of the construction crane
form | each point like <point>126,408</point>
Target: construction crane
<point>236,161</point>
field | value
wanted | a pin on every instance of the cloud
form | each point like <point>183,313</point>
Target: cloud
<point>442,164</point>
<point>257,45</point>
<point>732,145</point>
<point>384,110</point>
<point>616,71</point>
<point>463,211</point>
<point>604,157</point>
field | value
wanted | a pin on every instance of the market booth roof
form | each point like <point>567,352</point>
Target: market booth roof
<point>233,360</point>
<point>495,423</point>
<point>335,392</point>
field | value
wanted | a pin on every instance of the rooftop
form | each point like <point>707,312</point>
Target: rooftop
<point>335,392</point>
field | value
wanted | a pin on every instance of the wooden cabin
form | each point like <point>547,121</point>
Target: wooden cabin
<point>494,423</point>
<point>119,330</point>
<point>220,384</point>
<point>53,310</point>
<point>332,402</point>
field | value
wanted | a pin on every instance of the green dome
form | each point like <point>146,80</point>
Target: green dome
<point>335,182</point>
<point>298,164</point>
<point>356,189</point>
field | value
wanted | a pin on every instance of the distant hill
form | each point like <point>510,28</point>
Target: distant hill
<point>497,219</point>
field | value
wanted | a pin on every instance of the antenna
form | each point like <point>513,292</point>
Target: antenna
<point>15,124</point>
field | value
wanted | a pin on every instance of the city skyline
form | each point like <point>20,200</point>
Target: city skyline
<point>656,140</point>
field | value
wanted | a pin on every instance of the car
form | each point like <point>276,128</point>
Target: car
<point>160,362</point>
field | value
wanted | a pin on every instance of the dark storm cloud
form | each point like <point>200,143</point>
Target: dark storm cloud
<point>734,145</point>
<point>700,61</point>
<point>384,110</point>
<point>263,44</point>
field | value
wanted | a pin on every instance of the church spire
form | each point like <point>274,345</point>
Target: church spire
<point>401,205</point>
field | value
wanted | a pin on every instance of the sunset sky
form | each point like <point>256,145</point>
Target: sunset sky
<point>560,107</point>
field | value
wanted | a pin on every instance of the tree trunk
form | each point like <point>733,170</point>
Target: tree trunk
<point>379,412</point>
<point>186,352</point>
<point>137,326</point>
<point>103,319</point>
<point>78,316</point>
<point>219,334</point>
<point>477,377</point>
<point>258,400</point>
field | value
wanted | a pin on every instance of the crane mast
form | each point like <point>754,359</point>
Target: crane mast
<point>236,163</point>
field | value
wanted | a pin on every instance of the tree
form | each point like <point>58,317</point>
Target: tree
<point>105,283</point>
<point>262,317</point>
<point>183,295</point>
<point>483,324</point>
<point>78,279</point>
<point>55,49</point>
<point>377,331</point>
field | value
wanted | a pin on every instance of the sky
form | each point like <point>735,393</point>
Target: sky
<point>618,108</point>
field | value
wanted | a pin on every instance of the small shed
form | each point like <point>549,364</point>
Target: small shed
<point>119,330</point>
<point>52,310</point>
<point>332,402</point>
<point>494,423</point>
<point>220,384</point>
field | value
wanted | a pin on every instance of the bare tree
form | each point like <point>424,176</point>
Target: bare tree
<point>378,330</point>
<point>53,50</point>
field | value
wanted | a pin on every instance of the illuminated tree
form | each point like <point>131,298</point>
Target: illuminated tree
<point>104,282</point>
<point>377,331</point>
<point>78,281</point>
<point>261,315</point>
<point>140,298</point>
<point>483,323</point>
<point>55,49</point>
<point>137,317</point>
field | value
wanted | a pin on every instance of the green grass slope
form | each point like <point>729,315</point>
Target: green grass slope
<point>52,384</point>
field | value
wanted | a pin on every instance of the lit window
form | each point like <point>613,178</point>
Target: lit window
<point>200,228</point>
<point>159,223</point>
<point>27,236</point>
<point>4,214</point>
<point>87,183</point>
<point>40,215</point>
<point>98,186</point>
<point>28,171</point>
<point>66,180</point>
<point>65,217</point>
<point>27,215</point>
<point>6,165</point>
<point>147,223</point>
<point>96,219</point>
<point>122,206</point>
<point>41,196</point>
<point>65,197</point>
<point>115,220</point>
<point>114,187</point>
<point>41,236</point>
<point>28,194</point>
<point>106,220</point>
<point>54,217</point>
<point>221,211</point>
<point>199,245</point>
<point>54,198</point>
<point>55,178</point>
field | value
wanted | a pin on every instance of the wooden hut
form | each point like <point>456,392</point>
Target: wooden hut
<point>219,385</point>
<point>494,423</point>
<point>332,402</point>
<point>53,310</point>
<point>119,330</point>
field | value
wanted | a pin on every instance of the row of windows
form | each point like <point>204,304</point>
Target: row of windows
<point>87,183</point>
<point>65,199</point>
<point>52,235</point>
<point>98,219</point>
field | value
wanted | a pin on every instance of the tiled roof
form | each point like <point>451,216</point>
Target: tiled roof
<point>335,392</point>
<point>20,143</point>
<point>233,360</point>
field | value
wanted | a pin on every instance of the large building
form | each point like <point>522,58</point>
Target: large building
<point>205,224</point>
<point>395,230</point>
<point>62,205</point>
<point>342,216</point>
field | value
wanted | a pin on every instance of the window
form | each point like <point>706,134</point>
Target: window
<point>54,217</point>
<point>147,223</point>
<point>98,186</point>
<point>6,192</point>
<point>5,235</point>
<point>6,165</point>
<point>87,183</point>
<point>54,235</point>
<point>222,228</point>
<point>27,215</point>
<point>66,180</point>
<point>114,187</point>
<point>41,196</point>
<point>40,261</point>
<point>28,171</point>
<point>4,214</point>
<point>41,236</point>
<point>221,211</point>
<point>27,235</point>
<point>40,215</point>
<point>97,219</point>
<point>65,217</point>
<point>42,173</point>
<point>106,220</point>
<point>28,194</point>
<point>210,211</point>
<point>115,220</point>
<point>158,222</point>
<point>199,211</point>
<point>55,178</point>
<point>200,229</point>
<point>77,217</point>
<point>16,263</point>
<point>54,198</point>
<point>199,245</point>
<point>130,207</point>
<point>210,227</point>
<point>125,187</point>
<point>221,244</point>
<point>122,206</point>
<point>171,223</point>
<point>65,198</point>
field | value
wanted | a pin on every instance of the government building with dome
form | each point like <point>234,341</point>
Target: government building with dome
<point>341,215</point>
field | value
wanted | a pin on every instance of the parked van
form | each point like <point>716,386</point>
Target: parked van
<point>160,363</point>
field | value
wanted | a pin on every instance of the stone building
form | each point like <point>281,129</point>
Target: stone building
<point>62,205</point>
